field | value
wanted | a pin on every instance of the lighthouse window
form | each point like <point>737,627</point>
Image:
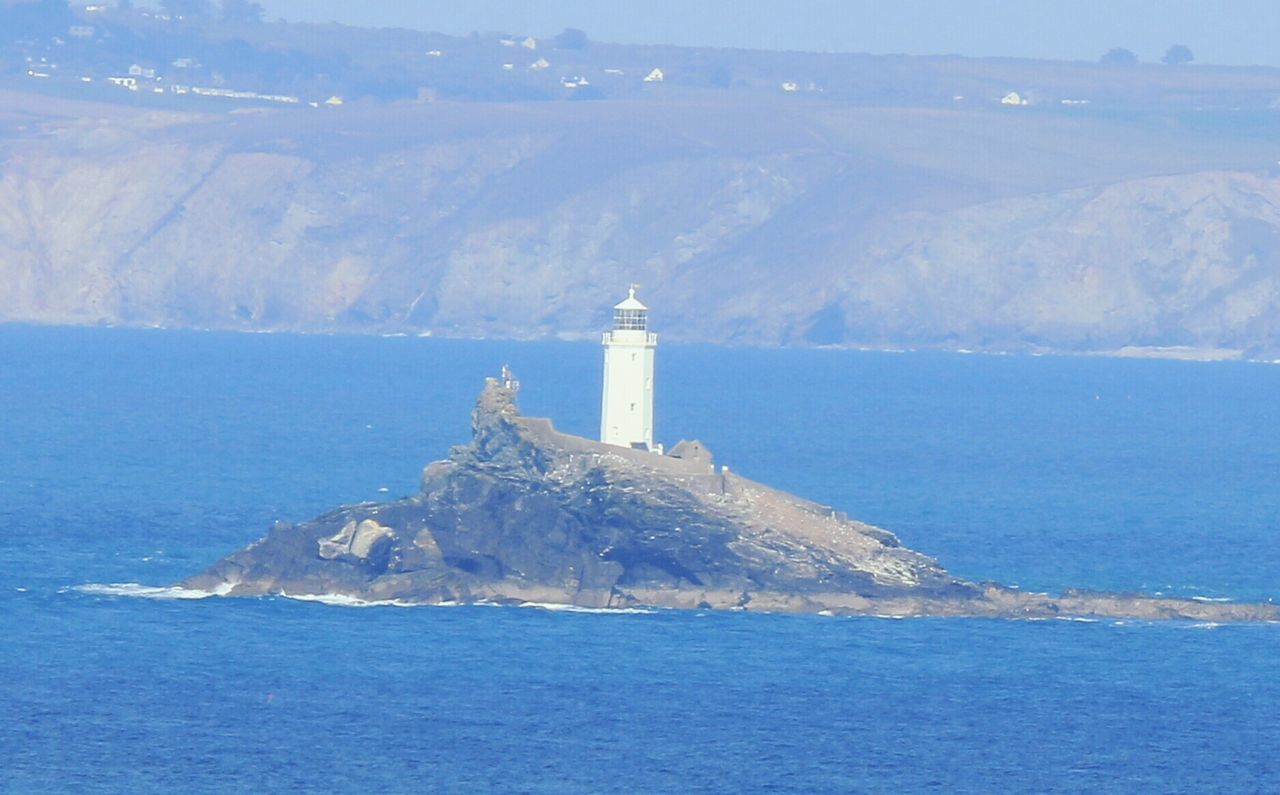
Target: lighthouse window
<point>630,319</point>
<point>633,407</point>
<point>633,357</point>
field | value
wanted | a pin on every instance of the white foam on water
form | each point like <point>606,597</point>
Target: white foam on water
<point>342,600</point>
<point>137,590</point>
<point>1080,619</point>
<point>1210,599</point>
<point>20,590</point>
<point>560,608</point>
<point>1204,625</point>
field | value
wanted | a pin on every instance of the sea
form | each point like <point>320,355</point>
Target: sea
<point>130,459</point>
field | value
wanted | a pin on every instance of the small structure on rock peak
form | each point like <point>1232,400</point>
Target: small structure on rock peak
<point>626,406</point>
<point>509,380</point>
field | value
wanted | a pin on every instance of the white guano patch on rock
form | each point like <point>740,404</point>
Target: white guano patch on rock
<point>767,512</point>
<point>425,541</point>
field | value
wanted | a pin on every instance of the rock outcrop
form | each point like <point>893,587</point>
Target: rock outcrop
<point>525,513</point>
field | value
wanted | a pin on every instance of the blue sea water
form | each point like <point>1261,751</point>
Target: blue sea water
<point>141,457</point>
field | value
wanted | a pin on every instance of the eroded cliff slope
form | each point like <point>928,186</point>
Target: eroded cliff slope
<point>757,220</point>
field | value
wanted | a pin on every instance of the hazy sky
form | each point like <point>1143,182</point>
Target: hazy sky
<point>1222,32</point>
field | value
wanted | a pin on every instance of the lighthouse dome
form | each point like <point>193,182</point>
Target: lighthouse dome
<point>630,302</point>
<point>630,314</point>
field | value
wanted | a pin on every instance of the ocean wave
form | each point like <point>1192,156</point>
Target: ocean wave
<point>139,591</point>
<point>1211,599</point>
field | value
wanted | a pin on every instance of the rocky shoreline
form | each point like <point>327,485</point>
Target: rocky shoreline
<point>526,514</point>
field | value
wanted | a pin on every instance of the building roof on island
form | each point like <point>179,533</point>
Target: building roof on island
<point>630,302</point>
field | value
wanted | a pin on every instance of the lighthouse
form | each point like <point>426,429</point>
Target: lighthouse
<point>626,408</point>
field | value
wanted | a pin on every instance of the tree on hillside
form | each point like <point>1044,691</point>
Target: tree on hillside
<point>570,39</point>
<point>1118,56</point>
<point>1178,53</point>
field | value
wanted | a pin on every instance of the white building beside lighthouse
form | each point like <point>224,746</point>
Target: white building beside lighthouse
<point>626,409</point>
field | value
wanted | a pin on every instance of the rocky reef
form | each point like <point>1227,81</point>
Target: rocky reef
<point>524,513</point>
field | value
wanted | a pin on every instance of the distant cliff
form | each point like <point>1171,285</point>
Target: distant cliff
<point>527,514</point>
<point>750,220</point>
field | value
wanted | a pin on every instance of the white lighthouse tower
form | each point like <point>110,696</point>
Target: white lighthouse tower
<point>626,410</point>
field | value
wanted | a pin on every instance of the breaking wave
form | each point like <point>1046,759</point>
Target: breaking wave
<point>137,590</point>
<point>560,608</point>
<point>339,600</point>
<point>173,592</point>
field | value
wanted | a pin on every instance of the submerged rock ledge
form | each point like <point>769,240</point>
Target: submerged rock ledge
<point>525,513</point>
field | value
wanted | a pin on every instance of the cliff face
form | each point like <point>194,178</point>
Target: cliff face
<point>748,220</point>
<point>524,513</point>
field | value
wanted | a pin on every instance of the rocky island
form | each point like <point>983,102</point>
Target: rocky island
<point>527,514</point>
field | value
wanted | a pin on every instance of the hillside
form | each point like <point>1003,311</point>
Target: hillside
<point>875,210</point>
